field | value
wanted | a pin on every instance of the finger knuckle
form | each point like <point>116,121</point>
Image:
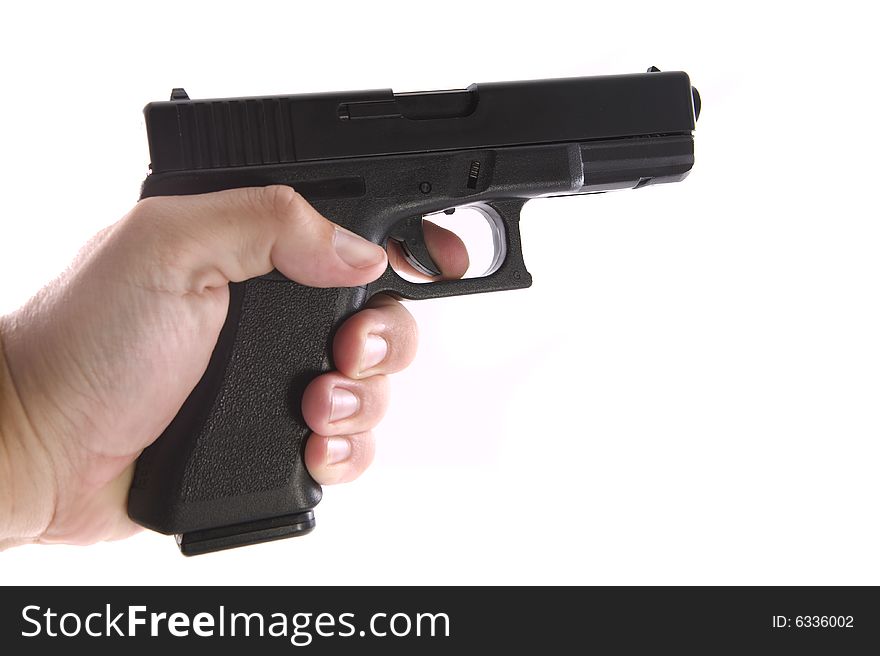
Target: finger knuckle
<point>145,219</point>
<point>283,203</point>
<point>141,224</point>
<point>146,207</point>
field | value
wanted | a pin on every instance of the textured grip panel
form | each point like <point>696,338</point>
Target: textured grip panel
<point>249,427</point>
<point>233,454</point>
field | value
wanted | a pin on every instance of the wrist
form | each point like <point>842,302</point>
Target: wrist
<point>25,465</point>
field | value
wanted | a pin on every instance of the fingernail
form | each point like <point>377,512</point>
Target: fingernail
<point>342,404</point>
<point>338,449</point>
<point>356,251</point>
<point>375,350</point>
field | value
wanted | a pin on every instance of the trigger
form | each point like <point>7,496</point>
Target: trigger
<point>411,237</point>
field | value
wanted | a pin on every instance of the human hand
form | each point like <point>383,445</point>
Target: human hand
<point>99,362</point>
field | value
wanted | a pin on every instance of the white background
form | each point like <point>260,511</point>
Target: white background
<point>687,394</point>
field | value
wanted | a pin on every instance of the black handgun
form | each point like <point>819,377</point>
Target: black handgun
<point>228,470</point>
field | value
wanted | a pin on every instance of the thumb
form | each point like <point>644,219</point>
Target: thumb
<point>229,236</point>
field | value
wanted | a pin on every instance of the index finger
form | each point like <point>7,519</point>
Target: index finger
<point>446,249</point>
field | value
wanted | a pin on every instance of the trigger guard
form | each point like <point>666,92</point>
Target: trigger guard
<point>499,241</point>
<point>409,235</point>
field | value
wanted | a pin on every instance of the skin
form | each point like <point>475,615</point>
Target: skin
<point>96,365</point>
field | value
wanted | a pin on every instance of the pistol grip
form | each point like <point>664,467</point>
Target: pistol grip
<point>229,470</point>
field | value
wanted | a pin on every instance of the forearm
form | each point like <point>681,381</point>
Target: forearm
<point>25,507</point>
